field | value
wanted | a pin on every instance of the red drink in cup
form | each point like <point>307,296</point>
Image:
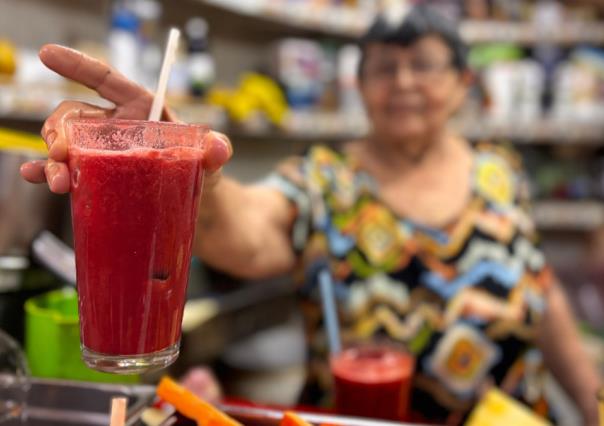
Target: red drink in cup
<point>373,381</point>
<point>135,193</point>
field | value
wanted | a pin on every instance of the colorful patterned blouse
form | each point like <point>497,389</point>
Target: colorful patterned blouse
<point>464,299</point>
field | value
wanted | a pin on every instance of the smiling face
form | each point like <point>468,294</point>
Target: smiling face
<point>411,92</point>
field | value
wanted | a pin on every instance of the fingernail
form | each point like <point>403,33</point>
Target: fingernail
<point>53,180</point>
<point>226,142</point>
<point>92,113</point>
<point>51,136</point>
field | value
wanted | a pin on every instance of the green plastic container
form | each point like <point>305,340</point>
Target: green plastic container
<point>52,339</point>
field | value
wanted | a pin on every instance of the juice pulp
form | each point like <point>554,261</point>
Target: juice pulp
<point>134,218</point>
<point>373,382</point>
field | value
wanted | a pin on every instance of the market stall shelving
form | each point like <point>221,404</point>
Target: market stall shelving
<point>334,127</point>
<point>566,215</point>
<point>308,126</point>
<point>349,23</point>
<point>559,215</point>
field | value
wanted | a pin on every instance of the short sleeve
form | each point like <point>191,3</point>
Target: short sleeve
<point>289,178</point>
<point>500,180</point>
<point>503,182</point>
<point>543,273</point>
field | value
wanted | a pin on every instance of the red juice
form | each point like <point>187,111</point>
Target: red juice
<point>134,212</point>
<point>373,382</point>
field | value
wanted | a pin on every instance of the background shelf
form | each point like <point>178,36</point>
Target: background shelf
<point>350,23</point>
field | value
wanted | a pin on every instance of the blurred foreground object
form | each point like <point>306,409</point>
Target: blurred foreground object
<point>191,406</point>
<point>8,55</point>
<point>498,409</point>
<point>14,379</point>
<point>601,406</point>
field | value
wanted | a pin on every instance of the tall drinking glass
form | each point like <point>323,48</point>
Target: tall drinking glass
<point>134,200</point>
<point>373,380</point>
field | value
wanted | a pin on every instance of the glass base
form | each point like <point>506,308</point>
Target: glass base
<point>130,364</point>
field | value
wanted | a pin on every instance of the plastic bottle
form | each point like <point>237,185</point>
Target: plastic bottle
<point>124,45</point>
<point>349,58</point>
<point>200,63</point>
<point>149,14</point>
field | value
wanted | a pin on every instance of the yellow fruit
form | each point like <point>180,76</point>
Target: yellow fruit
<point>8,58</point>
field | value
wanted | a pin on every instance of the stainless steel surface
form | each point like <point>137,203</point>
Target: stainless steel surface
<point>230,317</point>
<point>57,256</point>
<point>11,272</point>
<point>57,402</point>
<point>25,209</point>
<point>250,416</point>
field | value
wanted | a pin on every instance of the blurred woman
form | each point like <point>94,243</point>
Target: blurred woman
<point>429,239</point>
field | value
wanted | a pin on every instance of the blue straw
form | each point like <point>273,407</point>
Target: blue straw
<point>330,311</point>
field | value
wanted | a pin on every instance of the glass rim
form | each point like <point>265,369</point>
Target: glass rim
<point>132,134</point>
<point>377,344</point>
<point>132,122</point>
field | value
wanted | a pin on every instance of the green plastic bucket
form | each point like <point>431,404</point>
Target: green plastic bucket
<point>52,339</point>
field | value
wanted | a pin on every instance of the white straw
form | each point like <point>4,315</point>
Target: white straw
<point>169,58</point>
<point>330,312</point>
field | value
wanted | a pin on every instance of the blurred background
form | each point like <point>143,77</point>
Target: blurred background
<point>278,76</point>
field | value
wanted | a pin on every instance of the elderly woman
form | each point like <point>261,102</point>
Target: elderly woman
<point>428,238</point>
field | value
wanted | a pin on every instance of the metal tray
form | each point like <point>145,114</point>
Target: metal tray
<point>65,403</point>
<point>251,416</point>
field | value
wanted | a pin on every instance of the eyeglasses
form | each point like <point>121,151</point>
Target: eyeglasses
<point>422,70</point>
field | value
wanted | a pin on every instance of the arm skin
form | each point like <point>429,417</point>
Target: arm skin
<point>244,230</point>
<point>558,338</point>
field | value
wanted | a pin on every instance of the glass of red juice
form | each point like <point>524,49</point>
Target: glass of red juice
<point>135,188</point>
<point>373,380</point>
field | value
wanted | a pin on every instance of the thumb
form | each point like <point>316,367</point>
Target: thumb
<point>218,151</point>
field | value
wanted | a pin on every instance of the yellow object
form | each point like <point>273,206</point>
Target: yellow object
<point>14,140</point>
<point>189,405</point>
<point>8,57</point>
<point>268,95</point>
<point>601,406</point>
<point>256,93</point>
<point>498,409</point>
<point>238,104</point>
<point>242,106</point>
<point>220,97</point>
<point>154,416</point>
<point>495,180</point>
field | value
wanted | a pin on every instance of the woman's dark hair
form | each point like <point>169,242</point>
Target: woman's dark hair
<point>419,21</point>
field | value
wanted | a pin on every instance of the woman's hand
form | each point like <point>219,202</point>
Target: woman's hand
<point>131,102</point>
